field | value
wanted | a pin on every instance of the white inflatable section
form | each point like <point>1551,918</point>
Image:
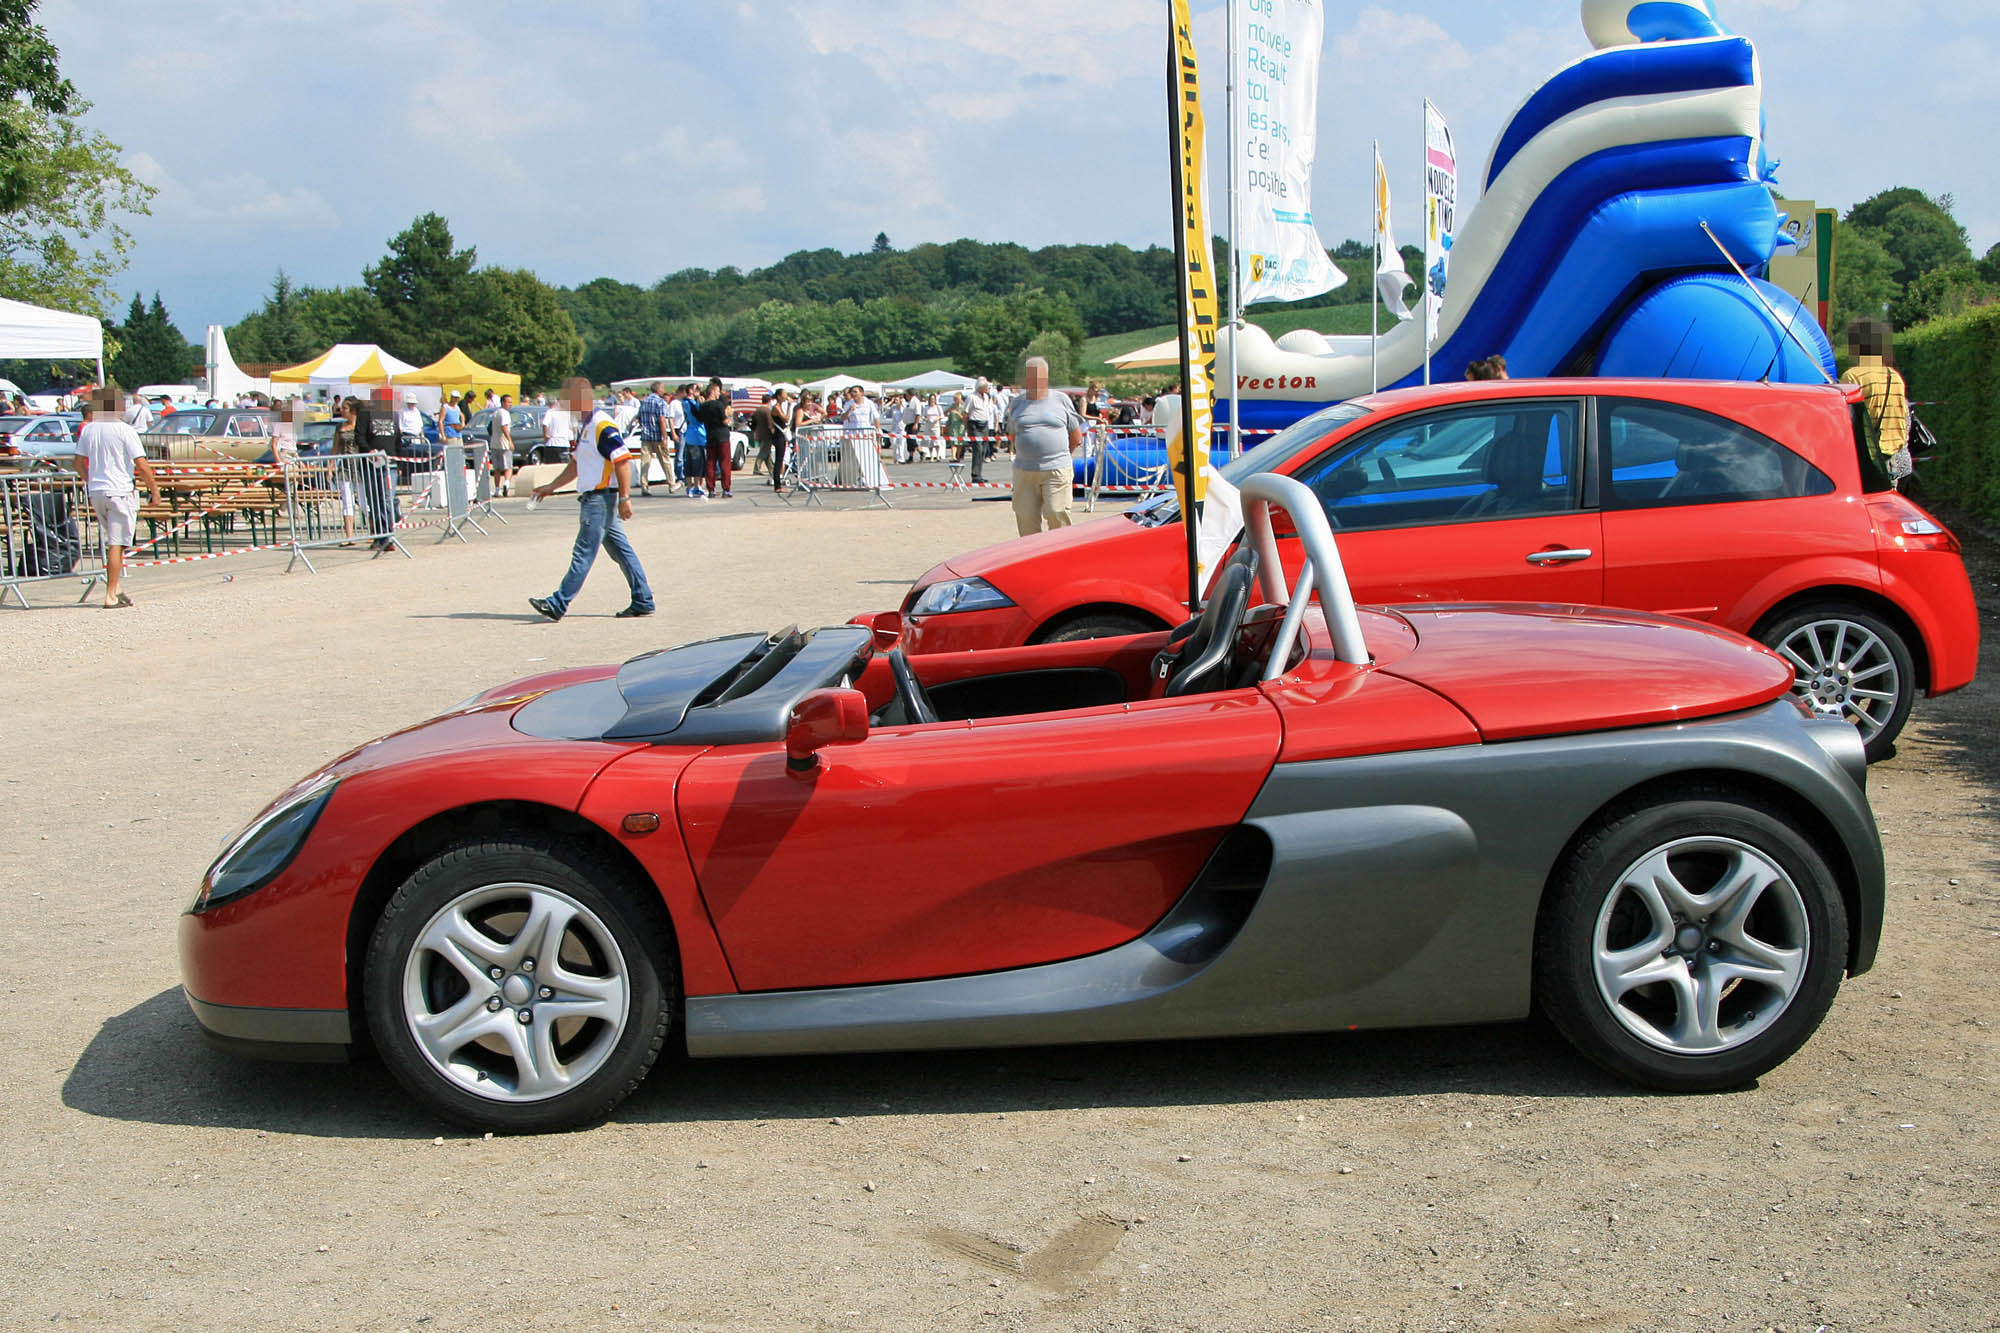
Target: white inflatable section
<point>1608,22</point>
<point>1268,370</point>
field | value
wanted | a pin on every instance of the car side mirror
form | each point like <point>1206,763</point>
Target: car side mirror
<point>823,718</point>
<point>887,626</point>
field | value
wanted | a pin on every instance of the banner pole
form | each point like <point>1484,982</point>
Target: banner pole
<point>1181,303</point>
<point>1235,260</point>
<point>1430,224</point>
<point>1375,277</point>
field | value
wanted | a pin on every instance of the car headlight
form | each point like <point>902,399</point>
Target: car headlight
<point>257,854</point>
<point>943,599</point>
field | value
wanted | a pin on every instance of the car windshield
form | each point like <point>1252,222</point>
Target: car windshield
<point>186,422</point>
<point>8,425</point>
<point>1271,454</point>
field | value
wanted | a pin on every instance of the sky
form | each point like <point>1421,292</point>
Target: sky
<point>633,138</point>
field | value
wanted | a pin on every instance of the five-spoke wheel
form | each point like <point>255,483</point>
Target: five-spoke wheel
<point>509,987</point>
<point>1692,943</point>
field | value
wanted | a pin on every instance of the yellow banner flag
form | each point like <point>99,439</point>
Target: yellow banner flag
<point>1198,316</point>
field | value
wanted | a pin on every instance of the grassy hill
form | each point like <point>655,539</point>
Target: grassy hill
<point>1097,352</point>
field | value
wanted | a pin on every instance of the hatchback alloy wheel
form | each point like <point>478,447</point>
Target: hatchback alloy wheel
<point>1848,664</point>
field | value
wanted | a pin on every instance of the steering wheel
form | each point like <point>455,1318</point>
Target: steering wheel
<point>910,691</point>
<point>1204,662</point>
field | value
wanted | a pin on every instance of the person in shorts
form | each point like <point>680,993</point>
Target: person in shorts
<point>1046,432</point>
<point>500,444</point>
<point>110,459</point>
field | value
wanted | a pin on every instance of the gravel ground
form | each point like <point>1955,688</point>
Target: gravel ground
<point>1457,1179</point>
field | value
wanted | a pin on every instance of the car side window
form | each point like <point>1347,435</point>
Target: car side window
<point>48,430</point>
<point>1510,459</point>
<point>1659,455</point>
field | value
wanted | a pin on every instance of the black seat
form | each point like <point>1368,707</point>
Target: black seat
<point>1513,468</point>
<point>1203,660</point>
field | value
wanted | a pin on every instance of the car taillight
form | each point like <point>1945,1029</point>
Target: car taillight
<point>1901,524</point>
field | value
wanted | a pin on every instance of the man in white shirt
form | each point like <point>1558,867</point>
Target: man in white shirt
<point>982,421</point>
<point>559,430</point>
<point>601,464</point>
<point>108,458</point>
<point>137,416</point>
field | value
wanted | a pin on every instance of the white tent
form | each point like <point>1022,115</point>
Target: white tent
<point>30,332</point>
<point>842,383</point>
<point>1167,353</point>
<point>226,383</point>
<point>344,367</point>
<point>932,381</point>
<point>730,382</point>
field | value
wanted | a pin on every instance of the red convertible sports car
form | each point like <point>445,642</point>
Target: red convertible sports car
<point>1753,506</point>
<point>1287,815</point>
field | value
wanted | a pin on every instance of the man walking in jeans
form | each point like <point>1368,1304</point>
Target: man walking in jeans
<point>655,439</point>
<point>601,463</point>
<point>1046,432</point>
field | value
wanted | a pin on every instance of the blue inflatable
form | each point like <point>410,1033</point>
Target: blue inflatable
<point>1590,249</point>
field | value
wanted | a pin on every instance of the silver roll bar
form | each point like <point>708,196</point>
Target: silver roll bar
<point>1322,573</point>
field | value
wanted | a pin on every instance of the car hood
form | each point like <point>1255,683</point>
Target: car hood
<point>1053,544</point>
<point>1519,671</point>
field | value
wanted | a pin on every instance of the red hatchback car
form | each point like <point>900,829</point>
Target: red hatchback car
<point>1752,506</point>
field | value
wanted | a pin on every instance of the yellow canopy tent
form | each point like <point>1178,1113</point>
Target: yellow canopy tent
<point>457,370</point>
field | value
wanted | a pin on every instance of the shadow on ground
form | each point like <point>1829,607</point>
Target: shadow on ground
<point>150,1065</point>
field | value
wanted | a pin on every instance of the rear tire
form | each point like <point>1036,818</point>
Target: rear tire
<point>1691,944</point>
<point>1851,664</point>
<point>1100,625</point>
<point>520,985</point>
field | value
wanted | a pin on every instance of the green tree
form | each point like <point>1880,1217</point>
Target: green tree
<point>882,246</point>
<point>422,291</point>
<point>1922,238</point>
<point>519,324</point>
<point>1874,210</point>
<point>1054,348</point>
<point>992,335</point>
<point>1864,281</point>
<point>151,350</point>
<point>1951,290</point>
<point>62,189</point>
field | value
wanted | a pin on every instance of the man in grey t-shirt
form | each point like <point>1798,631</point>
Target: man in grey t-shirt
<point>1046,431</point>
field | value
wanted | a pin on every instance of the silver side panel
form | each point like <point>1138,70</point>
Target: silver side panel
<point>1403,892</point>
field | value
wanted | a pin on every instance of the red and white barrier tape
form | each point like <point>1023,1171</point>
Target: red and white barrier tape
<point>206,555</point>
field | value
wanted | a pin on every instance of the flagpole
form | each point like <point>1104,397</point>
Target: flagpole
<point>1235,261</point>
<point>1181,302</point>
<point>1424,273</point>
<point>1375,278</point>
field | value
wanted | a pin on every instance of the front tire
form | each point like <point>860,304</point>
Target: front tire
<point>1100,625</point>
<point>1691,944</point>
<point>1849,664</point>
<point>519,985</point>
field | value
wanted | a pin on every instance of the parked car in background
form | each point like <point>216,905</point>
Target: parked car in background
<point>43,435</point>
<point>525,420</point>
<point>1752,506</point>
<point>211,434</point>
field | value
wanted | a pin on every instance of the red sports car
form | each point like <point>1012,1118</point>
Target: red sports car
<point>1290,817</point>
<point>1751,506</point>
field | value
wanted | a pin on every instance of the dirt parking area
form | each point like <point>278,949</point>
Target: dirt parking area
<point>1459,1179</point>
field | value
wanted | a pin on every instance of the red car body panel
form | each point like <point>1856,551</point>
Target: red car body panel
<point>816,908</point>
<point>1731,564</point>
<point>285,945</point>
<point>1490,667</point>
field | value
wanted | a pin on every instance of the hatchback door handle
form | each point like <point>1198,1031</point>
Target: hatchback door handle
<point>1557,557</point>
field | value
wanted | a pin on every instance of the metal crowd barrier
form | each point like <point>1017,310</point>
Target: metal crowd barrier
<point>48,532</point>
<point>338,500</point>
<point>834,458</point>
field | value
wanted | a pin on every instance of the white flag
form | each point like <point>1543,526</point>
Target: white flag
<point>1391,276</point>
<point>1441,214</point>
<point>1277,78</point>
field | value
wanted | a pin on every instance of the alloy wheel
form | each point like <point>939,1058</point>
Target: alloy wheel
<point>1844,670</point>
<point>516,992</point>
<point>1701,945</point>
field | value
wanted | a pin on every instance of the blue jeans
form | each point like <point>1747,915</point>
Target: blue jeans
<point>598,525</point>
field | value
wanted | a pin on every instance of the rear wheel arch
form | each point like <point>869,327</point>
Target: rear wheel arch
<point>1862,599</point>
<point>485,821</point>
<point>1723,784</point>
